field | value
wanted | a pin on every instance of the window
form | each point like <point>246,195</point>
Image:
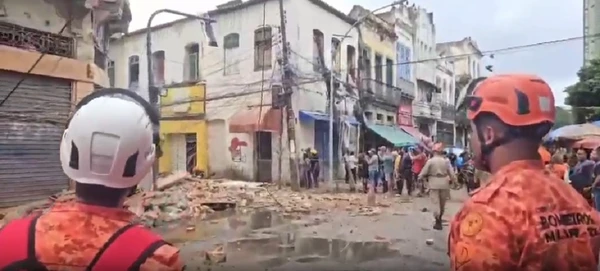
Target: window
<point>403,59</point>
<point>378,68</point>
<point>389,72</point>
<point>192,62</point>
<point>262,48</point>
<point>407,67</point>
<point>351,62</point>
<point>134,71</point>
<point>111,72</point>
<point>368,115</point>
<point>336,52</point>
<point>231,44</point>
<point>318,49</point>
<point>367,60</point>
<point>390,119</point>
<point>158,67</point>
<point>379,117</point>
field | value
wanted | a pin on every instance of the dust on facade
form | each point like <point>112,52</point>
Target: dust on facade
<point>222,107</point>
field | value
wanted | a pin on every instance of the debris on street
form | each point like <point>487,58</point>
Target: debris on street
<point>182,197</point>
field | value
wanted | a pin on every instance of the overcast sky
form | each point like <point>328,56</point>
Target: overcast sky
<point>493,24</point>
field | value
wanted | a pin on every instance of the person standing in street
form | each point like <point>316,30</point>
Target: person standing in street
<point>406,174</point>
<point>352,161</point>
<point>107,148</point>
<point>418,159</point>
<point>438,173</point>
<point>373,170</point>
<point>388,171</point>
<point>596,185</point>
<point>525,218</point>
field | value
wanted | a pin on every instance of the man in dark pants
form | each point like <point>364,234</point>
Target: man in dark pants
<point>406,174</point>
<point>314,169</point>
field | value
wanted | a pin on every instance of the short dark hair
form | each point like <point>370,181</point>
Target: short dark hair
<point>533,132</point>
<point>100,195</point>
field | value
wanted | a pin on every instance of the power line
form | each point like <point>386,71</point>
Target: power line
<point>232,95</point>
<point>67,23</point>
<point>488,52</point>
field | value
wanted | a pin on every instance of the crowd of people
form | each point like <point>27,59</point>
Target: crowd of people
<point>397,169</point>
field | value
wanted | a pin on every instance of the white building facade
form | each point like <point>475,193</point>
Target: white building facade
<point>247,136</point>
<point>466,66</point>
<point>426,110</point>
<point>591,27</point>
<point>445,81</point>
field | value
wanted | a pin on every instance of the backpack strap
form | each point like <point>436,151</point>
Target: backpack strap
<point>17,245</point>
<point>127,249</point>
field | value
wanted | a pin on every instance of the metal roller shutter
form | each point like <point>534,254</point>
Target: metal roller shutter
<point>31,125</point>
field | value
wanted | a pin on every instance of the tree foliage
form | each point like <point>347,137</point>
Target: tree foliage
<point>584,96</point>
<point>461,115</point>
<point>563,117</point>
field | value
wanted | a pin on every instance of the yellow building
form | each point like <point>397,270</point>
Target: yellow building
<point>183,129</point>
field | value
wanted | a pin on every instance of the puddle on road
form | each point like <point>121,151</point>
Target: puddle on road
<point>267,239</point>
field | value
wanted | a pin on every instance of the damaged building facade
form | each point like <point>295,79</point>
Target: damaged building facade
<point>467,65</point>
<point>247,135</point>
<point>52,54</point>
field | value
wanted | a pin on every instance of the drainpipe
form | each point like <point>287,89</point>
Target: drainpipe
<point>359,106</point>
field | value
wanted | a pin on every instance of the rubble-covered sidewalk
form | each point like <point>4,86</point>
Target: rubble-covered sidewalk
<point>180,197</point>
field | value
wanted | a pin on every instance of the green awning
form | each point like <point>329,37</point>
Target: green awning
<point>394,135</point>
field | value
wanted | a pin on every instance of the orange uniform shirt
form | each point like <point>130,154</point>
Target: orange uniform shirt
<point>525,218</point>
<point>70,234</point>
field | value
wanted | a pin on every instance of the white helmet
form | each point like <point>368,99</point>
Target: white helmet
<point>109,142</point>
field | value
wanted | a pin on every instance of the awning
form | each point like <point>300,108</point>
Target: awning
<point>394,135</point>
<point>414,132</point>
<point>312,115</point>
<point>254,119</point>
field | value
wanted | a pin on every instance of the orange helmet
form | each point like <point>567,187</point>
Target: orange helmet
<point>517,99</point>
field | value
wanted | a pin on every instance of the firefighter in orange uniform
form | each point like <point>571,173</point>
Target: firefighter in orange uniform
<point>525,218</point>
<point>108,147</point>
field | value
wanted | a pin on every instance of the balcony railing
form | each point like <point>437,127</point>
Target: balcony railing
<point>381,91</point>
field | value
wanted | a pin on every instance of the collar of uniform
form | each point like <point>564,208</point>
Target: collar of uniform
<point>520,165</point>
<point>110,213</point>
<point>498,179</point>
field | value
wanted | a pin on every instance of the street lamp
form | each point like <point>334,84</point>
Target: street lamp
<point>153,92</point>
<point>331,84</point>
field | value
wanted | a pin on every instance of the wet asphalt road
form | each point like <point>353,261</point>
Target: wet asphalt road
<point>395,239</point>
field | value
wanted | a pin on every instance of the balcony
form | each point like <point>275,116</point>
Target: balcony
<point>407,88</point>
<point>426,109</point>
<point>381,92</point>
<point>448,111</point>
<point>115,13</point>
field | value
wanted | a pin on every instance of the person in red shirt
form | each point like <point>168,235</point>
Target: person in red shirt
<point>109,145</point>
<point>524,218</point>
<point>418,158</point>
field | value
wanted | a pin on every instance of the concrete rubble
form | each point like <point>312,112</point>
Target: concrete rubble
<point>180,197</point>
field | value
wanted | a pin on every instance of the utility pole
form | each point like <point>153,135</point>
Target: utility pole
<point>153,91</point>
<point>287,89</point>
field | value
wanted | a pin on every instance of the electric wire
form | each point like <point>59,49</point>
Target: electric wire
<point>67,23</point>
